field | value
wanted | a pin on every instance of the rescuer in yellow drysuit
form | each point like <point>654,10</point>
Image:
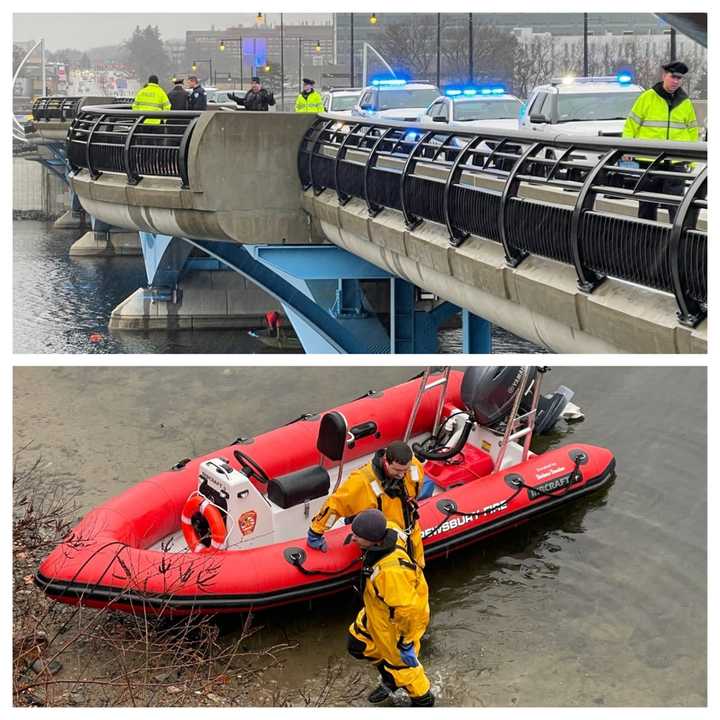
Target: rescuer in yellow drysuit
<point>388,629</point>
<point>390,482</point>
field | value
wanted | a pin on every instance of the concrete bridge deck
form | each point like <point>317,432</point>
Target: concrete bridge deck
<point>238,177</point>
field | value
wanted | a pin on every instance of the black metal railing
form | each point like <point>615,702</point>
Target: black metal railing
<point>60,107</point>
<point>566,198</point>
<point>137,144</point>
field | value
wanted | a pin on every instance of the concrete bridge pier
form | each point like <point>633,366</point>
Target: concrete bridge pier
<point>189,292</point>
<point>104,240</point>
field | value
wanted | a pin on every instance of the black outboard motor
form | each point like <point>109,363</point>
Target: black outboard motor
<point>489,393</point>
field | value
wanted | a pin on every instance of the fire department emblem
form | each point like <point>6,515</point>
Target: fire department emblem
<point>246,522</point>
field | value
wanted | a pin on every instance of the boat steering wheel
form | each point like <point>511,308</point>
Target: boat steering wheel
<point>251,467</point>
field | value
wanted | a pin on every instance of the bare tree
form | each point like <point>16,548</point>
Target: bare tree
<point>533,64</point>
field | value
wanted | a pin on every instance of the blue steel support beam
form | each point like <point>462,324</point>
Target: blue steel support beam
<point>165,257</point>
<point>321,322</point>
<point>477,334</point>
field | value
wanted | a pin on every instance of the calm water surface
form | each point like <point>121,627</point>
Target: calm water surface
<point>60,301</point>
<point>600,604</point>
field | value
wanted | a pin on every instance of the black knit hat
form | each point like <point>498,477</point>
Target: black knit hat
<point>676,67</point>
<point>370,525</point>
<point>398,451</point>
<point>308,81</point>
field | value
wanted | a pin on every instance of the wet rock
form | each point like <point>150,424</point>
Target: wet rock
<point>41,666</point>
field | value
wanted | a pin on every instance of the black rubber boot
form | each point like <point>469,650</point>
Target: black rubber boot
<point>379,694</point>
<point>426,700</point>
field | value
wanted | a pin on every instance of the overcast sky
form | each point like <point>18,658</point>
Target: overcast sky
<point>82,30</point>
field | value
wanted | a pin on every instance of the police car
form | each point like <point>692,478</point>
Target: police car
<point>341,100</point>
<point>581,105</point>
<point>483,107</point>
<point>395,99</point>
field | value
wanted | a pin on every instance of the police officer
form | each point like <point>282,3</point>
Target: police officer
<point>390,482</point>
<point>395,613</point>
<point>151,98</point>
<point>664,112</point>
<point>198,96</point>
<point>256,98</point>
<point>178,95</point>
<point>309,100</point>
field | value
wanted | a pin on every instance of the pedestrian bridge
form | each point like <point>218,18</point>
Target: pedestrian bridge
<point>538,234</point>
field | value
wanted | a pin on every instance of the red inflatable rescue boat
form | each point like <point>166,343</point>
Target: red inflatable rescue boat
<point>226,532</point>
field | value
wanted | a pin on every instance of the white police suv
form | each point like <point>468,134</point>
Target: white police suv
<point>395,99</point>
<point>485,106</point>
<point>581,105</point>
<point>341,100</point>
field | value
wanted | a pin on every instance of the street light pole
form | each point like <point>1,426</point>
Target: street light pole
<point>437,72</point>
<point>673,44</point>
<point>470,49</point>
<point>282,64</point>
<point>585,45</point>
<point>352,50</point>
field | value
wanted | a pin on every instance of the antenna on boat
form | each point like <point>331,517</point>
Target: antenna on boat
<point>425,386</point>
<point>514,420</point>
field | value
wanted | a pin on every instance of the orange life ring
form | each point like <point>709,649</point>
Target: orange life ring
<point>197,503</point>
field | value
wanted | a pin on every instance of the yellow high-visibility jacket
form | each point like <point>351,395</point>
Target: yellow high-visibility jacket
<point>151,98</point>
<point>363,490</point>
<point>312,104</point>
<point>652,118</point>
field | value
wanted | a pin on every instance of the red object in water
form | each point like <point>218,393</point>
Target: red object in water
<point>272,318</point>
<point>96,338</point>
<point>125,554</point>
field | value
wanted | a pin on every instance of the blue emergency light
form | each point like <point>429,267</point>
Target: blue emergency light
<point>624,78</point>
<point>388,82</point>
<point>473,91</point>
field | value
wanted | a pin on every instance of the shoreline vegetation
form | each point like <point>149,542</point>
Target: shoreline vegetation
<point>73,656</point>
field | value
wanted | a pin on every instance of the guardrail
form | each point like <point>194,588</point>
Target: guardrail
<point>481,183</point>
<point>138,144</point>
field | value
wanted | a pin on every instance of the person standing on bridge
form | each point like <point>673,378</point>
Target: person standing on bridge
<point>198,96</point>
<point>664,112</point>
<point>395,613</point>
<point>151,98</point>
<point>309,100</point>
<point>391,483</point>
<point>178,95</point>
<point>256,98</point>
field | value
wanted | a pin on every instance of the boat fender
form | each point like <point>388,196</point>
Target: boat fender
<point>197,503</point>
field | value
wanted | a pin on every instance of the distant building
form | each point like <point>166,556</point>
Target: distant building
<point>260,47</point>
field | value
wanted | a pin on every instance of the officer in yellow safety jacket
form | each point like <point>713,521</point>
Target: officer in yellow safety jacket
<point>309,100</point>
<point>395,613</point>
<point>390,482</point>
<point>664,112</point>
<point>151,98</point>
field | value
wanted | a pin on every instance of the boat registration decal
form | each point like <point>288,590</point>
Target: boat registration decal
<point>486,445</point>
<point>247,522</point>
